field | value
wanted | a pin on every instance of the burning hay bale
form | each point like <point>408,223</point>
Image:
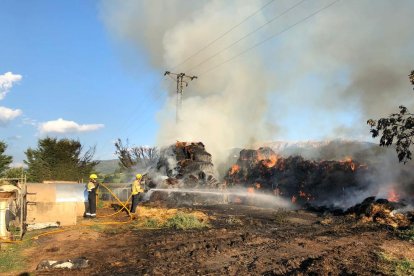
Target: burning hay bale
<point>302,181</point>
<point>185,175</point>
<point>187,164</point>
<point>383,212</point>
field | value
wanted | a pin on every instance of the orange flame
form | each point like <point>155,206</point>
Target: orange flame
<point>250,190</point>
<point>393,195</point>
<point>268,162</point>
<point>179,144</point>
<point>271,162</point>
<point>234,169</point>
<point>351,163</point>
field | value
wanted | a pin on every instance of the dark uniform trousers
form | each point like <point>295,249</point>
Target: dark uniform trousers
<point>92,201</point>
<point>134,203</point>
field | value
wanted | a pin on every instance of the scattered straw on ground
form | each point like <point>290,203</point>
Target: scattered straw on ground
<point>163,214</point>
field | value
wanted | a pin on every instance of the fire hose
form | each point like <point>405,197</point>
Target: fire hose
<point>123,206</point>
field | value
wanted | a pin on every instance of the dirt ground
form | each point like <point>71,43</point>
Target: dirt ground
<point>241,240</point>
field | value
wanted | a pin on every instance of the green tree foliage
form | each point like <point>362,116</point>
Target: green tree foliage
<point>5,160</point>
<point>397,129</point>
<point>14,173</point>
<point>55,159</point>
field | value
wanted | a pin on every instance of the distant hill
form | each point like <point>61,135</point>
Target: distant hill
<point>107,166</point>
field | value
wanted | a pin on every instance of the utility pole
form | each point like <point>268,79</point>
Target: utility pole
<point>181,78</point>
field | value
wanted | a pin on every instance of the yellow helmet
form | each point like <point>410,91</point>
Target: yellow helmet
<point>93,176</point>
<point>138,176</point>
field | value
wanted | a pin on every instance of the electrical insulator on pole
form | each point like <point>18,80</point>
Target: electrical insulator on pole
<point>181,79</point>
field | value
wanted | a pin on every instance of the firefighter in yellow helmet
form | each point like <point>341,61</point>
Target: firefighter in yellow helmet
<point>135,190</point>
<point>92,187</point>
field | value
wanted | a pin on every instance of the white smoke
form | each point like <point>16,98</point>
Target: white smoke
<point>348,63</point>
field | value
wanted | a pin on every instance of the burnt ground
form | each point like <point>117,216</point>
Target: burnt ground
<point>241,240</point>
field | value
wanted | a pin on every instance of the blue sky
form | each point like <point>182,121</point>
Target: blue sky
<point>72,69</point>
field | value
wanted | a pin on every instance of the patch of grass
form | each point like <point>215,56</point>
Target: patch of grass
<point>108,229</point>
<point>11,258</point>
<point>406,267</point>
<point>113,230</point>
<point>152,223</point>
<point>14,230</point>
<point>100,204</point>
<point>97,228</point>
<point>400,267</point>
<point>184,221</point>
<point>407,234</point>
<point>153,217</point>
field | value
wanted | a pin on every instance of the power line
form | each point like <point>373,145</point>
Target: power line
<point>277,34</point>
<point>144,119</point>
<point>253,46</point>
<point>223,34</point>
<point>127,122</point>
<point>215,40</point>
<point>271,37</point>
<point>248,34</point>
<point>130,130</point>
<point>134,115</point>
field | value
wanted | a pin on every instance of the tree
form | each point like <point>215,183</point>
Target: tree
<point>59,160</point>
<point>124,154</point>
<point>14,173</point>
<point>5,160</point>
<point>130,157</point>
<point>397,129</point>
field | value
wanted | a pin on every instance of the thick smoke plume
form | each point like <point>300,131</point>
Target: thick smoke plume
<point>330,73</point>
<point>222,109</point>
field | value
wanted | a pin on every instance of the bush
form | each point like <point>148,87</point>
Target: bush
<point>396,266</point>
<point>184,221</point>
<point>407,235</point>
